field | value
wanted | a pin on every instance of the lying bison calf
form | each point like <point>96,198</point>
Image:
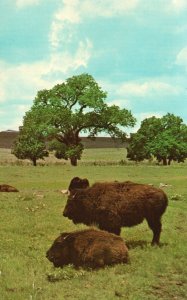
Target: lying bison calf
<point>112,205</point>
<point>7,188</point>
<point>88,248</point>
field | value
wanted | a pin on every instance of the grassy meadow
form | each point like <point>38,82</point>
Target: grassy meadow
<point>32,219</point>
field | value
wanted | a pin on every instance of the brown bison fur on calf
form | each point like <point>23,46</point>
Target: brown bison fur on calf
<point>7,188</point>
<point>88,248</point>
<point>112,205</point>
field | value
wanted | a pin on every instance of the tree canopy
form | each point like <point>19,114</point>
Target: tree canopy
<point>30,143</point>
<point>164,138</point>
<point>74,107</point>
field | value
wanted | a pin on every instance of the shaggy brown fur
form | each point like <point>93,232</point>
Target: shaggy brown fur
<point>78,183</point>
<point>88,248</point>
<point>113,205</point>
<point>7,188</point>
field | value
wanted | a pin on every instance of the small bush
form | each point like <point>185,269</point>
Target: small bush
<point>123,162</point>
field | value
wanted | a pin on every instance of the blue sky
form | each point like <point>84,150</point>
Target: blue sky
<point>136,50</point>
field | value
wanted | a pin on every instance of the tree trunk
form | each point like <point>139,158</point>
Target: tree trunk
<point>73,161</point>
<point>34,162</point>
<point>164,161</point>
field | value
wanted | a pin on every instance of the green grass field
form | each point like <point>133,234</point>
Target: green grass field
<point>32,219</point>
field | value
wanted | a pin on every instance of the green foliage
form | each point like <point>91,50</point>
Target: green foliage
<point>137,150</point>
<point>62,151</point>
<point>30,143</point>
<point>164,138</point>
<point>59,148</point>
<point>77,106</point>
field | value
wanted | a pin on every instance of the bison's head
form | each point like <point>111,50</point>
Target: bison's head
<point>80,207</point>
<point>58,253</point>
<point>78,183</point>
<point>74,209</point>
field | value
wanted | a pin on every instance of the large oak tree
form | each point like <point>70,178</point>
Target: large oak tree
<point>72,108</point>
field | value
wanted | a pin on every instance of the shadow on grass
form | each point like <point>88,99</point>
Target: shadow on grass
<point>137,244</point>
<point>142,244</point>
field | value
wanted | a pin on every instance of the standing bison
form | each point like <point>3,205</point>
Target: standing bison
<point>112,205</point>
<point>88,248</point>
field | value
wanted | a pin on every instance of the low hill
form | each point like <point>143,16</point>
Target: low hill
<point>8,137</point>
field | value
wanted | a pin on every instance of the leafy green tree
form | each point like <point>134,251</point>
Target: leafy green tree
<point>77,106</point>
<point>30,143</point>
<point>136,150</point>
<point>164,138</point>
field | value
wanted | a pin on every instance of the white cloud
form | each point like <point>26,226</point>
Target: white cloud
<point>24,3</point>
<point>149,88</point>
<point>12,118</point>
<point>166,6</point>
<point>64,61</point>
<point>107,8</point>
<point>22,108</point>
<point>143,116</point>
<point>54,36</point>
<point>69,12</point>
<point>83,53</point>
<point>73,12</point>
<point>182,57</point>
<point>178,5</point>
<point>13,125</point>
<point>122,103</point>
<point>64,17</point>
<point>21,82</point>
<point>2,96</point>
